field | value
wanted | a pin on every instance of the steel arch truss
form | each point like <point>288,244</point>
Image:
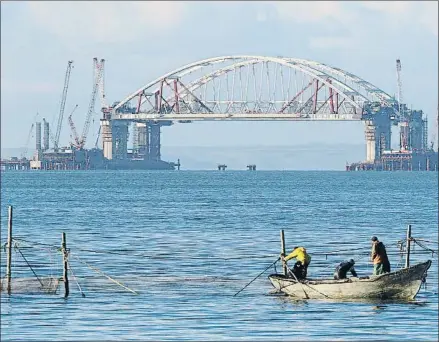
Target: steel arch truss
<point>252,88</point>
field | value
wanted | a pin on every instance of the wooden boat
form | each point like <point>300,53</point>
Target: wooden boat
<point>402,284</point>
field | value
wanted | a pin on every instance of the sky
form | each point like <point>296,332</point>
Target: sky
<point>141,41</point>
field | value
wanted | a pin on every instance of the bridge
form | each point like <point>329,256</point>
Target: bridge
<point>249,88</point>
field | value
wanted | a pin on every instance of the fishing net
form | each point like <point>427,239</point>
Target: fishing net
<point>33,285</point>
<point>34,269</point>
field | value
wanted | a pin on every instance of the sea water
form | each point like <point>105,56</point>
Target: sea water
<point>186,241</point>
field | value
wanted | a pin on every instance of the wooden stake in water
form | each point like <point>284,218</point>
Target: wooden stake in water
<point>9,255</point>
<point>282,250</point>
<point>409,236</point>
<point>65,277</point>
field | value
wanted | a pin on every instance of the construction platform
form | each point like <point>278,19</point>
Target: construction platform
<point>399,161</point>
<point>74,159</point>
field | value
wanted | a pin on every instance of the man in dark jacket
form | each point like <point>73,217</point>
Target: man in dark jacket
<point>343,268</point>
<point>380,260</point>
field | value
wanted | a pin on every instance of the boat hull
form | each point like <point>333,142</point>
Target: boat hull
<point>401,284</point>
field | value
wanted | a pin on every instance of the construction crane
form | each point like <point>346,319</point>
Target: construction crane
<point>104,105</point>
<point>101,66</point>
<point>97,79</point>
<point>399,85</point>
<point>62,106</point>
<point>26,147</point>
<point>73,135</point>
<point>403,123</point>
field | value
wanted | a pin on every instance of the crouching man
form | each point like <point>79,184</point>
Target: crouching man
<point>343,268</point>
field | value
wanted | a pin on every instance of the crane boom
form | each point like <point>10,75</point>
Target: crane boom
<point>403,119</point>
<point>97,78</point>
<point>24,153</point>
<point>102,84</point>
<point>62,105</point>
<point>399,84</point>
<point>102,94</point>
<point>72,127</point>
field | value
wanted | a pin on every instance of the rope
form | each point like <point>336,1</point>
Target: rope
<point>31,243</point>
<point>16,246</point>
<point>77,283</point>
<point>305,285</point>
<point>356,258</point>
<point>133,252</point>
<point>301,285</point>
<point>257,276</point>
<point>428,241</point>
<point>424,247</point>
<point>106,276</point>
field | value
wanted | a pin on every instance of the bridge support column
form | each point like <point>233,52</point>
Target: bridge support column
<point>119,131</point>
<point>378,136</point>
<point>142,139</point>
<point>38,147</point>
<point>404,136</point>
<point>107,138</point>
<point>370,141</point>
<point>154,144</point>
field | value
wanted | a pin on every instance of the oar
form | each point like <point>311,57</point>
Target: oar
<point>257,276</point>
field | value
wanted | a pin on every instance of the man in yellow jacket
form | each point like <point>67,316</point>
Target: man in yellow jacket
<point>303,259</point>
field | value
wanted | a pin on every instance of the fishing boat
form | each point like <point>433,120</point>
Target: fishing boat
<point>403,284</point>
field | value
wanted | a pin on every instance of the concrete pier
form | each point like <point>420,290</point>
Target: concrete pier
<point>119,132</point>
<point>107,139</point>
<point>154,144</point>
<point>143,140</point>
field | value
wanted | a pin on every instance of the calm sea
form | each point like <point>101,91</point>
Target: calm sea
<point>187,241</point>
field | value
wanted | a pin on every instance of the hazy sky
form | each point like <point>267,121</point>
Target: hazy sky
<point>143,40</point>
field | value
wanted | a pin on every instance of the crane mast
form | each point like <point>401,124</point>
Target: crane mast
<point>102,96</point>
<point>403,120</point>
<point>399,85</point>
<point>101,66</point>
<point>62,105</point>
<point>97,80</point>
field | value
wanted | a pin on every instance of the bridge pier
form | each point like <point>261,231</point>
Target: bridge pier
<point>148,140</point>
<point>38,146</point>
<point>143,139</point>
<point>114,138</point>
<point>154,144</point>
<point>119,132</point>
<point>107,138</point>
<point>378,134</point>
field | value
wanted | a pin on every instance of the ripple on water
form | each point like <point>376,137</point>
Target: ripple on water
<point>188,241</point>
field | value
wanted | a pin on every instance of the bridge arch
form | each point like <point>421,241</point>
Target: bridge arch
<point>216,85</point>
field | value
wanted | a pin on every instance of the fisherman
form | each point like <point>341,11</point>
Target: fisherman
<point>380,260</point>
<point>343,268</point>
<point>303,259</point>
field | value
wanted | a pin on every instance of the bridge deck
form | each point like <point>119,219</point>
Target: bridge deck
<point>237,117</point>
